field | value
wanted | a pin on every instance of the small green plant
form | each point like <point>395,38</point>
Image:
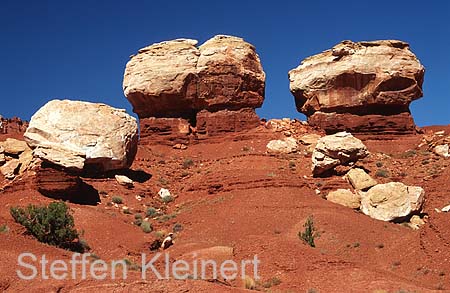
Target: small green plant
<point>271,174</point>
<point>4,229</point>
<point>117,200</point>
<point>52,224</point>
<point>310,232</point>
<point>137,219</point>
<point>127,211</point>
<point>131,265</point>
<point>167,217</point>
<point>271,282</point>
<point>151,212</point>
<point>177,228</point>
<point>146,227</point>
<point>382,173</point>
<point>167,199</point>
<point>187,163</point>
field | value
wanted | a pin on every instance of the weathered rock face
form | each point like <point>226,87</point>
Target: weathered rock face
<point>359,179</point>
<point>12,126</point>
<point>83,136</point>
<point>392,201</point>
<point>345,197</point>
<point>213,123</point>
<point>176,79</point>
<point>284,146</point>
<point>337,149</point>
<point>167,131</point>
<point>359,87</point>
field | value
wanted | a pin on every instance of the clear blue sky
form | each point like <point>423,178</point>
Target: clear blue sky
<point>78,49</point>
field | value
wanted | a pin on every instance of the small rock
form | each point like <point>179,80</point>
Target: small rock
<point>359,179</point>
<point>345,197</point>
<point>416,220</point>
<point>10,169</point>
<point>337,149</point>
<point>2,159</point>
<point>138,198</point>
<point>180,146</point>
<point>124,180</point>
<point>285,146</point>
<point>446,209</point>
<point>442,150</point>
<point>163,193</point>
<point>309,139</point>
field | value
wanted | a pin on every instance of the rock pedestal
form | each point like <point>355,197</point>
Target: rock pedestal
<point>363,87</point>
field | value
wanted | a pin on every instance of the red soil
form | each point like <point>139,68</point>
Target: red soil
<point>236,195</point>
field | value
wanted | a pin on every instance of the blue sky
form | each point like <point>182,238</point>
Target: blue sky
<point>78,49</point>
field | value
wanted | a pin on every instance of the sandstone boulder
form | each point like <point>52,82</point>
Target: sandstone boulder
<point>83,136</point>
<point>177,79</point>
<point>359,87</point>
<point>359,179</point>
<point>124,180</point>
<point>10,169</point>
<point>345,197</point>
<point>442,150</point>
<point>13,146</point>
<point>337,149</point>
<point>284,146</point>
<point>391,201</point>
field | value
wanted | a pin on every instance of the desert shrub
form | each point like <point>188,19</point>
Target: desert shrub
<point>379,164</point>
<point>4,229</point>
<point>117,200</point>
<point>187,163</point>
<point>271,282</point>
<point>137,219</point>
<point>310,232</point>
<point>151,212</point>
<point>382,173</point>
<point>249,283</point>
<point>177,228</point>
<point>146,227</point>
<point>52,224</point>
<point>167,199</point>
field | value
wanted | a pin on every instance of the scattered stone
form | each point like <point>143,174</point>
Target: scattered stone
<point>345,197</point>
<point>442,150</point>
<point>337,149</point>
<point>416,222</point>
<point>446,209</point>
<point>285,146</point>
<point>180,146</point>
<point>10,169</point>
<point>309,139</point>
<point>392,201</point>
<point>363,87</point>
<point>359,179</point>
<point>164,193</point>
<point>83,136</point>
<point>2,159</point>
<point>13,146</point>
<point>124,180</point>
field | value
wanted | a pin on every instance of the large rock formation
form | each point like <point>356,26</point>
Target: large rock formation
<point>83,136</point>
<point>12,126</point>
<point>177,80</point>
<point>363,87</point>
